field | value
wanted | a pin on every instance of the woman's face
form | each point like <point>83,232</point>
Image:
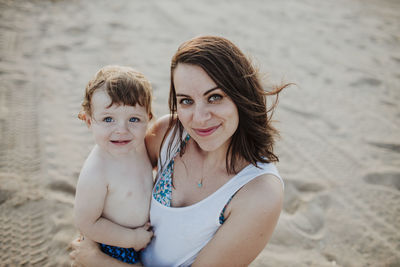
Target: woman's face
<point>205,111</point>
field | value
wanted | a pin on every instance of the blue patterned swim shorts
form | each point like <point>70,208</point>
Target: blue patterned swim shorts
<point>127,255</point>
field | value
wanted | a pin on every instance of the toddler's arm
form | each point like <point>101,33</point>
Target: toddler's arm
<point>91,193</point>
<point>87,253</point>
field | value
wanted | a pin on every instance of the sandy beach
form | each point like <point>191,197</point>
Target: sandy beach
<point>340,125</point>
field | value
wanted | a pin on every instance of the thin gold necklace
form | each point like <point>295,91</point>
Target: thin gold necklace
<point>200,182</point>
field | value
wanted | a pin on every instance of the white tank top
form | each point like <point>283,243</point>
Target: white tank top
<point>181,232</point>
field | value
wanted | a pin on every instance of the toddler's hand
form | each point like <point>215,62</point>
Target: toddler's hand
<point>144,235</point>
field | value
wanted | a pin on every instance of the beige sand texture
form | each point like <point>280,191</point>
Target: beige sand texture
<point>340,126</point>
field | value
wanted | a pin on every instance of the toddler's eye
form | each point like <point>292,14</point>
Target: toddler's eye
<point>185,101</point>
<point>214,98</point>
<point>108,119</point>
<point>133,119</point>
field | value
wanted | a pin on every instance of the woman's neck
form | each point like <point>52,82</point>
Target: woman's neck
<point>215,159</point>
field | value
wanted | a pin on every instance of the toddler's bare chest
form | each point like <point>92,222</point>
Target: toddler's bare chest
<point>128,199</point>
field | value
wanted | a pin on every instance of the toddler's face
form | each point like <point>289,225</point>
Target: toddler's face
<point>118,129</point>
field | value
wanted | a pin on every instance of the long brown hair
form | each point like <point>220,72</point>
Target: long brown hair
<point>233,73</point>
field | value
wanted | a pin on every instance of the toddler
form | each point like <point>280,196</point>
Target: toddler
<point>114,188</point>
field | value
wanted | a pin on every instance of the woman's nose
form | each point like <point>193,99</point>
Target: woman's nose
<point>201,113</point>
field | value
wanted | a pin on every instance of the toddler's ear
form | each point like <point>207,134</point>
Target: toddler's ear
<point>88,121</point>
<point>82,115</point>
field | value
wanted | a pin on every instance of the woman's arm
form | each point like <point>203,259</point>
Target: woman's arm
<point>87,253</point>
<point>154,137</point>
<point>250,220</point>
<point>89,201</point>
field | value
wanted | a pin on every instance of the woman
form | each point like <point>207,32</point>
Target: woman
<point>217,196</point>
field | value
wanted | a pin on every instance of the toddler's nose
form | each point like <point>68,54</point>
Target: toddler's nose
<point>121,128</point>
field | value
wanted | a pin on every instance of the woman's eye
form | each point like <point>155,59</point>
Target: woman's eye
<point>108,119</point>
<point>214,98</point>
<point>133,119</point>
<point>185,101</point>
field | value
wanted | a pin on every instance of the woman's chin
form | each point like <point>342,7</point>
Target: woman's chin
<point>210,145</point>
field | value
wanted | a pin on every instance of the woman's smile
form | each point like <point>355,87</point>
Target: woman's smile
<point>206,131</point>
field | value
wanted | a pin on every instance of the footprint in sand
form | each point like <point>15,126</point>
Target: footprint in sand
<point>62,186</point>
<point>5,195</point>
<point>389,146</point>
<point>396,59</point>
<point>307,205</point>
<point>303,219</point>
<point>299,192</point>
<point>366,81</point>
<point>310,219</point>
<point>389,179</point>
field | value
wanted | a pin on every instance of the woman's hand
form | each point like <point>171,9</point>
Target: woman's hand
<point>84,252</point>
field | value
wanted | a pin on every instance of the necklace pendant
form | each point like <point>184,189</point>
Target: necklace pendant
<point>200,184</point>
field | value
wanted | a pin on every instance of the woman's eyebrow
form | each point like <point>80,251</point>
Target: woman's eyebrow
<point>205,93</point>
<point>183,95</point>
<point>210,90</point>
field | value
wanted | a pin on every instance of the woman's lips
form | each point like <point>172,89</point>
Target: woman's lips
<point>206,131</point>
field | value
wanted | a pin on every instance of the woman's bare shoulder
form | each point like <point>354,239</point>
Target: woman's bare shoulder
<point>154,137</point>
<point>160,125</point>
<point>264,192</point>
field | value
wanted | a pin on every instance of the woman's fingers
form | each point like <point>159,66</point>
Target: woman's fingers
<point>70,244</point>
<point>88,243</point>
<point>75,243</point>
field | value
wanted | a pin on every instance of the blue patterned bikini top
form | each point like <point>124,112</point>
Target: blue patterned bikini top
<point>163,188</point>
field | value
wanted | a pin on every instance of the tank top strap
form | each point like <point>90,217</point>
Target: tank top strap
<point>249,173</point>
<point>166,157</point>
<point>222,196</point>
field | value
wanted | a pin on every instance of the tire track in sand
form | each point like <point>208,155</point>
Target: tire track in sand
<point>24,224</point>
